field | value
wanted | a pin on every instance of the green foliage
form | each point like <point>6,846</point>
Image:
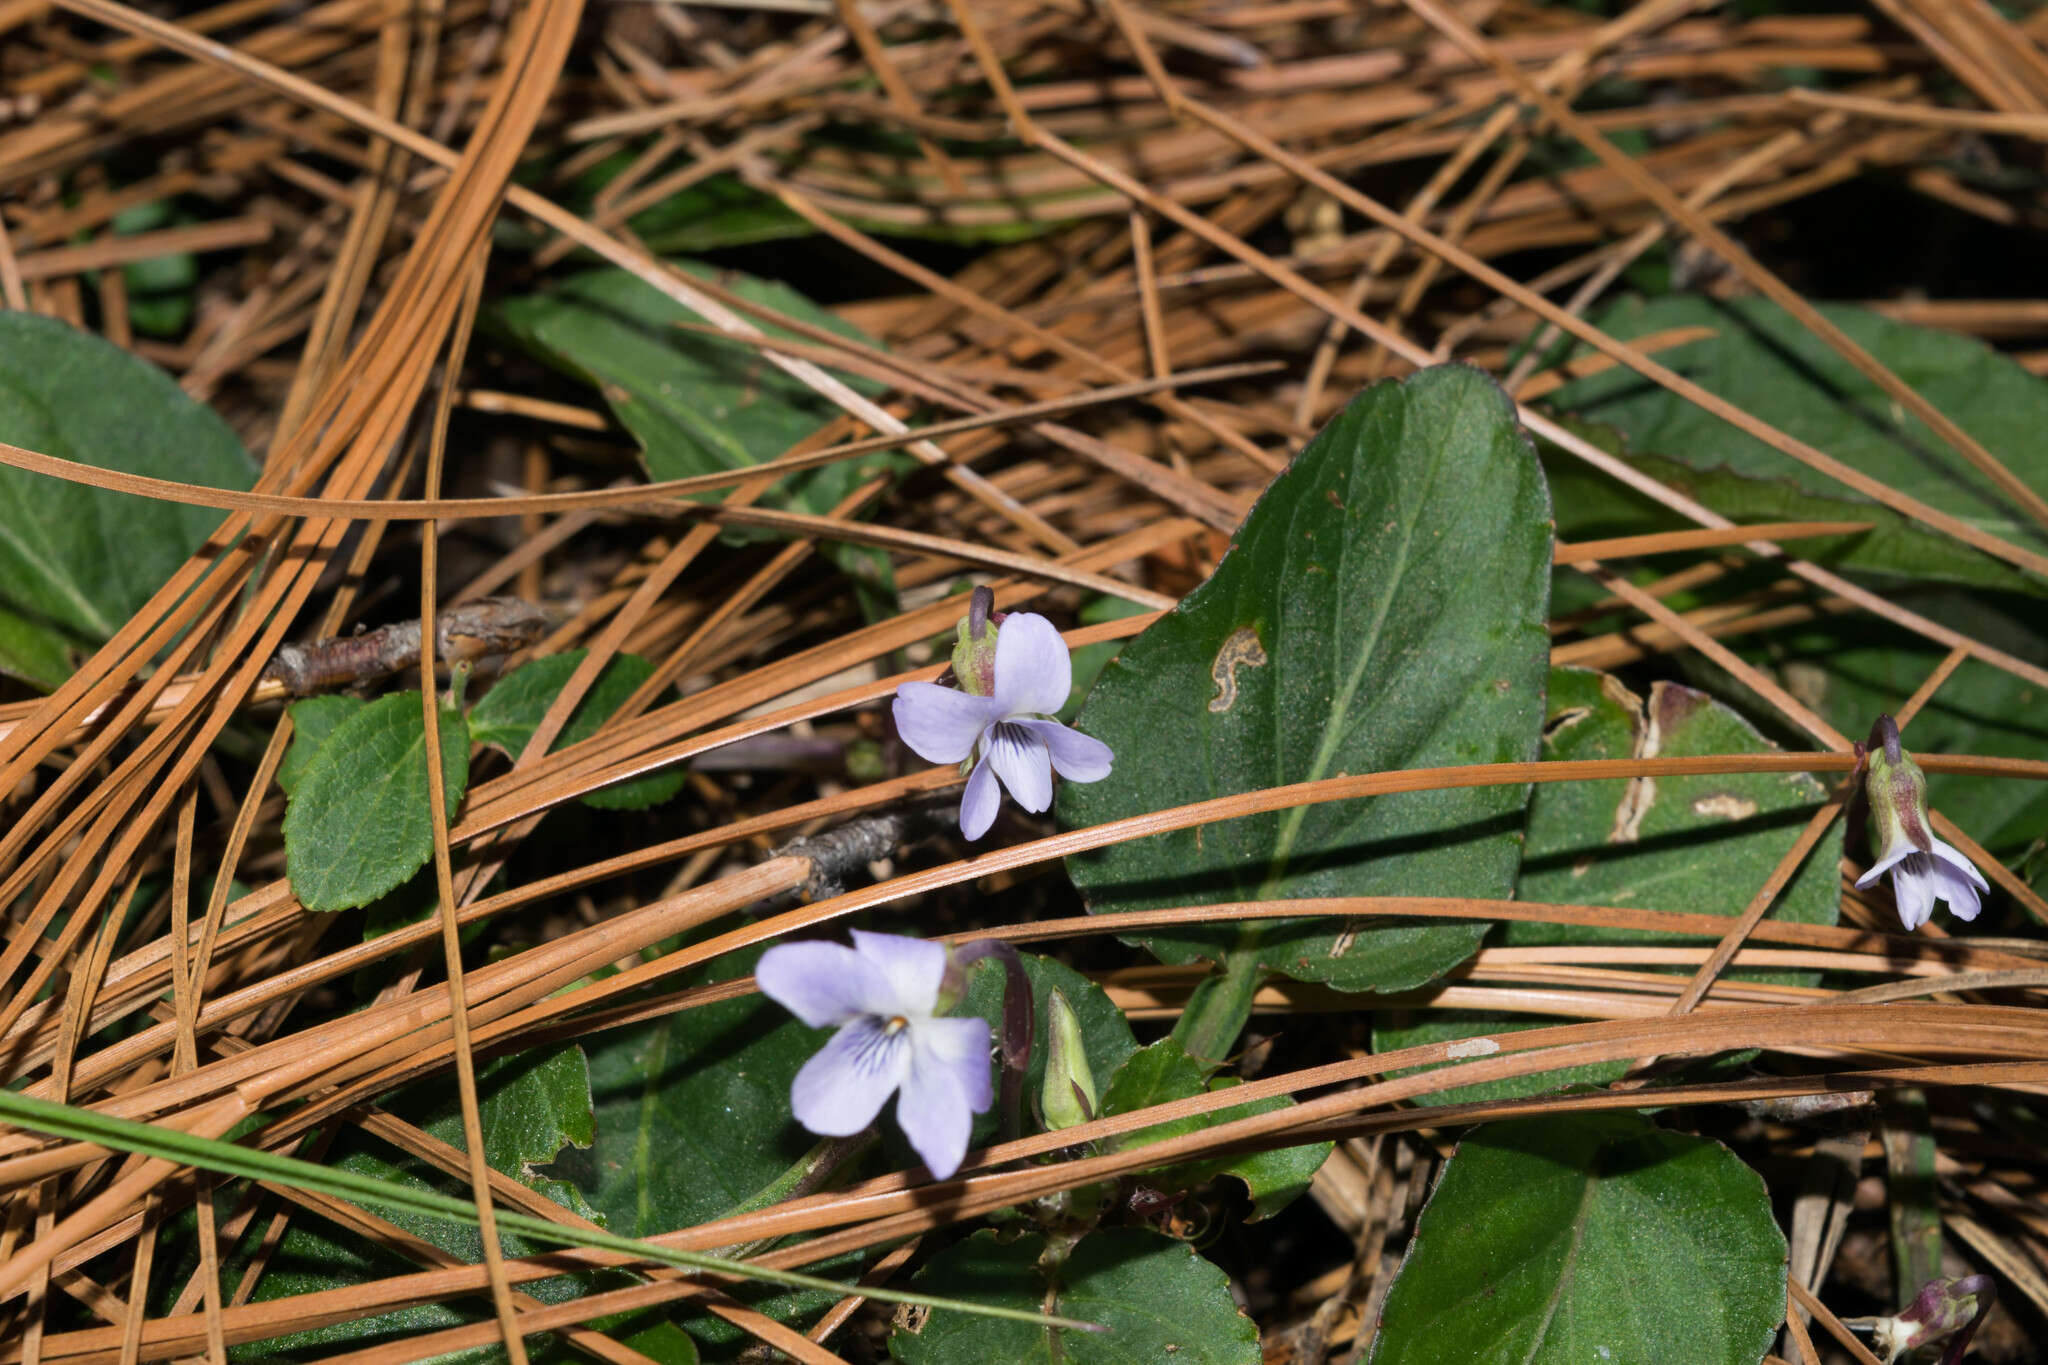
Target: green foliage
<point>1157,1298</point>
<point>80,560</point>
<point>1763,361</point>
<point>1912,1156</point>
<point>1383,608</point>
<point>314,721</point>
<point>1590,1237</point>
<point>531,1106</point>
<point>34,652</point>
<point>700,404</point>
<point>162,291</point>
<point>693,1114</point>
<point>512,710</point>
<point>724,211</point>
<point>724,1344</point>
<point>1701,844</point>
<point>718,211</point>
<point>1164,1072</point>
<point>1105,1033</point>
<point>230,1157</point>
<point>358,823</point>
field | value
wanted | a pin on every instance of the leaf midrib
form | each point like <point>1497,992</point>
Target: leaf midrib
<point>1340,703</point>
<point>1564,1272</point>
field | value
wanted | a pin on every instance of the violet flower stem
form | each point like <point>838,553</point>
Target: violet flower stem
<point>1020,1024</point>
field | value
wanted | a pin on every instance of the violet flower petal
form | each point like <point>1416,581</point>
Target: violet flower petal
<point>1913,890</point>
<point>940,723</point>
<point>1949,854</point>
<point>1076,757</point>
<point>1892,856</point>
<point>1023,764</point>
<point>1034,672</point>
<point>948,1083</point>
<point>979,803</point>
<point>842,1088</point>
<point>913,967</point>
<point>1949,883</point>
<point>823,984</point>
<point>960,1046</point>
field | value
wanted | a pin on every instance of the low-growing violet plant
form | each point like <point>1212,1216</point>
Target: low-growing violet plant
<point>1923,868</point>
<point>1383,609</point>
<point>1014,673</point>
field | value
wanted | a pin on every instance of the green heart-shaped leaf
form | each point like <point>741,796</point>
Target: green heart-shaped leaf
<point>1594,1237</point>
<point>1383,608</point>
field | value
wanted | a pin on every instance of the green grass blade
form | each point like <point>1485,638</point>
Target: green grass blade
<point>228,1158</point>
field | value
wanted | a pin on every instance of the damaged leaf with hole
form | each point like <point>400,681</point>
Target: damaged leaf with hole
<point>1698,845</point>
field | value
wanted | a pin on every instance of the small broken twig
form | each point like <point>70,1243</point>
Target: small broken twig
<point>468,630</point>
<point>836,853</point>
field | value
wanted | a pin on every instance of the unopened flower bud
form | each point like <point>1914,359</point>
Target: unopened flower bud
<point>1068,1096</point>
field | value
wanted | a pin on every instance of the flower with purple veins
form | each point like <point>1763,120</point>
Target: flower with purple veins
<point>883,997</point>
<point>1010,733</point>
<point>1923,868</point>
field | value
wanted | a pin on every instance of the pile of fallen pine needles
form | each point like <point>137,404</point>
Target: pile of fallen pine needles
<point>1115,263</point>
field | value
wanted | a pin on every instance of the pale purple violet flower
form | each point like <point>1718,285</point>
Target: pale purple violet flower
<point>1923,868</point>
<point>882,994</point>
<point>1010,735</point>
<point>1941,1308</point>
<point>1920,877</point>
